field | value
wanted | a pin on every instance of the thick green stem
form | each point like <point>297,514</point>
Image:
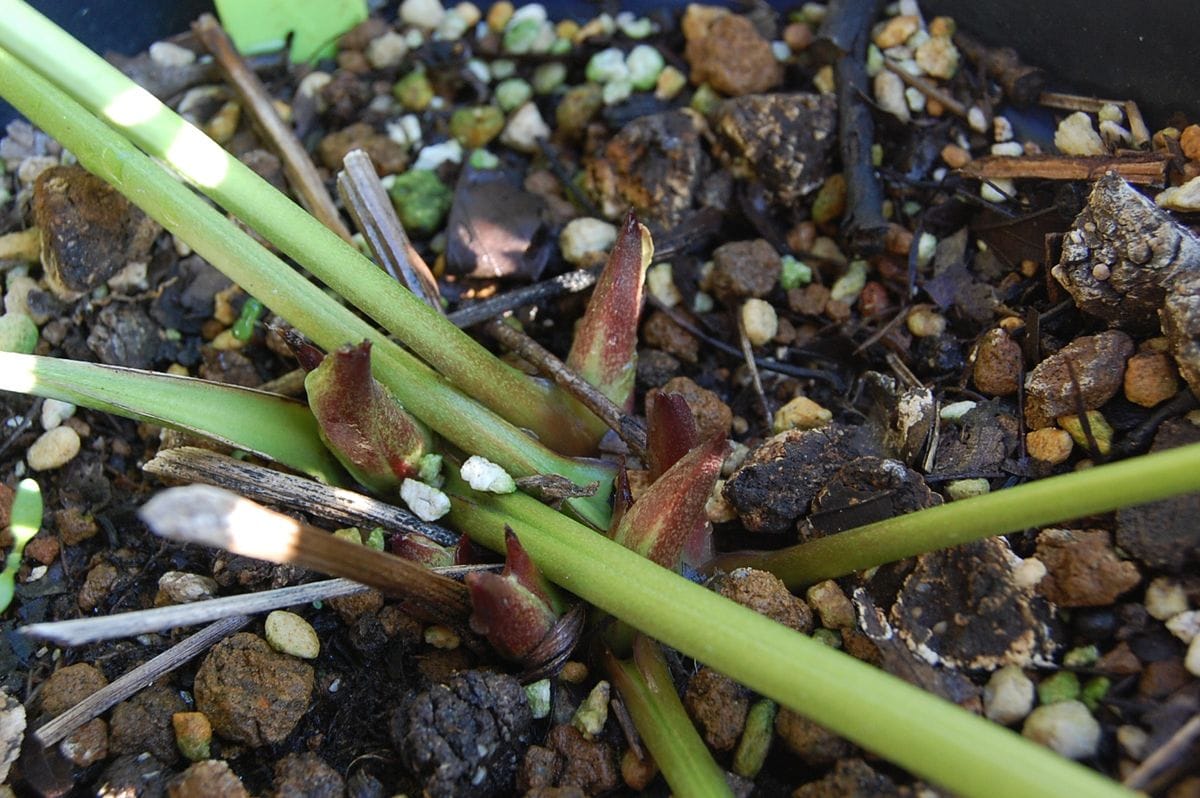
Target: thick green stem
<point>1047,501</point>
<point>921,732</point>
<point>106,92</point>
<point>423,392</point>
<point>649,694</point>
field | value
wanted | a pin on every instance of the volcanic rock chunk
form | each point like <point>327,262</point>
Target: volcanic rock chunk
<point>1082,568</point>
<point>986,435</point>
<point>782,140</point>
<point>904,416</point>
<point>866,490</point>
<point>655,165</point>
<point>849,777</point>
<point>496,228</point>
<point>1121,255</point>
<point>964,608</point>
<point>465,737</point>
<point>729,54</point>
<point>1164,534</point>
<point>89,231</point>
<point>250,692</point>
<point>718,705</point>
<point>778,481</point>
<point>1180,318</point>
<point>1094,363</point>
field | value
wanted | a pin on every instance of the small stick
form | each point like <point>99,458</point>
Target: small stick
<point>221,519</point>
<point>1146,170</point>
<point>626,426</point>
<point>187,464</point>
<point>928,89</point>
<point>137,679</point>
<point>1170,758</point>
<point>80,631</point>
<point>375,217</point>
<point>569,283</point>
<point>848,25</point>
<point>748,356</point>
<point>298,167</point>
<point>1021,83</point>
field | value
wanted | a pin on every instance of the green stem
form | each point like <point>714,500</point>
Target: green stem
<point>1035,504</point>
<point>649,694</point>
<point>921,732</point>
<point>426,394</point>
<point>262,423</point>
<point>100,87</point>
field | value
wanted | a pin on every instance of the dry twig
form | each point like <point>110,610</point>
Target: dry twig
<point>1147,170</point>
<point>297,165</point>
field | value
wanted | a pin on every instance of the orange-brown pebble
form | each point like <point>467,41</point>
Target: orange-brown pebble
<point>1189,142</point>
<point>997,364</point>
<point>573,672</point>
<point>798,36</point>
<point>1150,378</point>
<point>898,239</point>
<point>801,237</point>
<point>637,772</point>
<point>934,108</point>
<point>955,156</point>
<point>1049,445</point>
<point>1029,268</point>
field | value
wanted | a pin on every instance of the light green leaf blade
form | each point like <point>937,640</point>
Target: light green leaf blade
<point>263,423</point>
<point>262,26</point>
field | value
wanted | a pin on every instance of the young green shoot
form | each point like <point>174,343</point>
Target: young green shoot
<point>649,693</point>
<point>26,515</point>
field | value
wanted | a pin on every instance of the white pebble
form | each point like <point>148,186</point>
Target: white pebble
<point>961,489</point>
<point>1002,129</point>
<point>660,282</point>
<point>956,410</point>
<point>1066,727</point>
<point>405,131</point>
<point>584,237</point>
<point>889,93</point>
<point>524,129</point>
<point>616,91</point>
<point>1008,149</point>
<point>181,587</point>
<point>1185,625</point>
<point>12,732</point>
<point>1111,112</point>
<point>1029,573</point>
<point>387,50</point>
<point>1114,135</point>
<point>759,321</point>
<point>1185,198</point>
<point>168,54</point>
<point>433,156</point>
<point>482,474</point>
<point>288,633</point>
<point>998,189</point>
<point>915,99</point>
<point>422,13</point>
<point>1076,136</point>
<point>54,449</point>
<point>1132,740</point>
<point>1165,597</point>
<point>1192,660</point>
<point>977,119</point>
<point>607,65</point>
<point>54,413</point>
<point>1008,696</point>
<point>428,504</point>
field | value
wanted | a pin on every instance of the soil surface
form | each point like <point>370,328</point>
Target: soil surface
<point>887,294</point>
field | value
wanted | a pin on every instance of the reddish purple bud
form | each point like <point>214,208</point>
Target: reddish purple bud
<point>605,345</point>
<point>516,608</point>
<point>664,520</point>
<point>622,499</point>
<point>670,430</point>
<point>361,422</point>
<point>418,548</point>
